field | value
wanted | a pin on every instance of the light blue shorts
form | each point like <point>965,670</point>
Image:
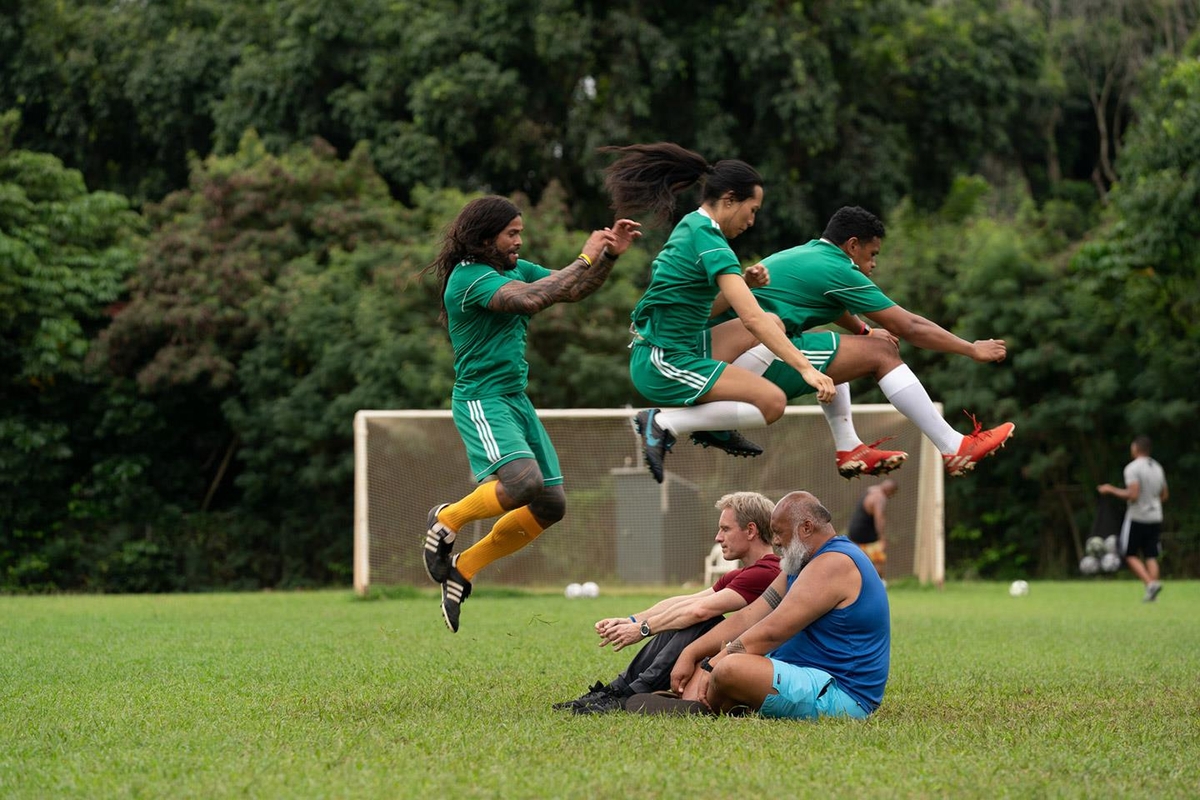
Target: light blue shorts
<point>807,693</point>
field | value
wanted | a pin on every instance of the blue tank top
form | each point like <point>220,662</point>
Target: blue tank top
<point>853,644</point>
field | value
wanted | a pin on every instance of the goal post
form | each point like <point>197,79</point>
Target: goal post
<point>622,528</point>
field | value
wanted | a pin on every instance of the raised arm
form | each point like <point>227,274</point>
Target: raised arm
<point>579,279</point>
<point>759,323</point>
<point>927,334</point>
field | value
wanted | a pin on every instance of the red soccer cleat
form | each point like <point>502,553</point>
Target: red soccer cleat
<point>976,446</point>
<point>866,460</point>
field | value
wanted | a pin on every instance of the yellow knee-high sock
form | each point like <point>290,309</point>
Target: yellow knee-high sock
<point>479,504</point>
<point>511,532</point>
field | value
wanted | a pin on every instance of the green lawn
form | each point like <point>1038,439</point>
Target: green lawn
<point>1078,690</point>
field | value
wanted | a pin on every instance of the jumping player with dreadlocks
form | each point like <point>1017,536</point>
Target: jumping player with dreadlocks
<point>488,296</point>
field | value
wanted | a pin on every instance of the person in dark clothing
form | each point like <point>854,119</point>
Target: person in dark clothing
<point>868,523</point>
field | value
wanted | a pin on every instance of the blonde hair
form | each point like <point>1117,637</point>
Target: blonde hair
<point>750,507</point>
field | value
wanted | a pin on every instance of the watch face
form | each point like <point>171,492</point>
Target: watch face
<point>645,629</point>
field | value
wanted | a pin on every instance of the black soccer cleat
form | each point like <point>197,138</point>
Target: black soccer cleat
<point>602,704</point>
<point>439,542</point>
<point>597,691</point>
<point>731,442</point>
<point>455,591</point>
<point>656,441</point>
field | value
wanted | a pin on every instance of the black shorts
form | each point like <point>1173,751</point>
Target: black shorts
<point>1141,538</point>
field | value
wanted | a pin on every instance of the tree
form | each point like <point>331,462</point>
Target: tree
<point>1101,47</point>
<point>123,91</point>
<point>64,253</point>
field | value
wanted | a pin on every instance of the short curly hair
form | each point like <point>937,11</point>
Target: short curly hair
<point>853,222</point>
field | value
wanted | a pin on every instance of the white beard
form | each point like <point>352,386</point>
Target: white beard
<point>794,557</point>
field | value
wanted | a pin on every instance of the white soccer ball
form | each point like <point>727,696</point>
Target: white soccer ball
<point>1089,565</point>
<point>590,589</point>
<point>573,590</point>
<point>1018,588</point>
<point>1095,546</point>
<point>1110,562</point>
<point>1110,544</point>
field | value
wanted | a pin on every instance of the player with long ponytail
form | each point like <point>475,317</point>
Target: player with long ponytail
<point>676,359</point>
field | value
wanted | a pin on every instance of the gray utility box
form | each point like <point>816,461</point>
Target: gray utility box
<point>663,533</point>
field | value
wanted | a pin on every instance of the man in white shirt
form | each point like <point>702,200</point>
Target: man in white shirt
<point>1144,492</point>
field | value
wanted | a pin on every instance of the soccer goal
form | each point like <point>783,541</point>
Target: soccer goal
<point>622,528</point>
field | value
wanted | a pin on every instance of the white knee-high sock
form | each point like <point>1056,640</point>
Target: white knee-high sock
<point>717,416</point>
<point>906,393</point>
<point>840,419</point>
<point>756,359</point>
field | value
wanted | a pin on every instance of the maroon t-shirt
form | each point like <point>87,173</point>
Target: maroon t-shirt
<point>750,581</point>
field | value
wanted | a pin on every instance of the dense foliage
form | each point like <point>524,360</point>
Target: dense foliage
<point>181,367</point>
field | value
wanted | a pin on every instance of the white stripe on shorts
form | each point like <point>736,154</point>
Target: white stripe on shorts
<point>490,448</point>
<point>691,379</point>
<point>818,358</point>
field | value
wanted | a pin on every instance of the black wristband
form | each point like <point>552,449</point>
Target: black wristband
<point>705,665</point>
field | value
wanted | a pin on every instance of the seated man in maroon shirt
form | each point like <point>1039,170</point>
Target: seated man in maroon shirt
<point>744,533</point>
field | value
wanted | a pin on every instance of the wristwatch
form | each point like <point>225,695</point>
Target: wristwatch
<point>645,629</point>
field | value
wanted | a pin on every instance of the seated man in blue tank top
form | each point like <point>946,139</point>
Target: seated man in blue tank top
<point>815,644</point>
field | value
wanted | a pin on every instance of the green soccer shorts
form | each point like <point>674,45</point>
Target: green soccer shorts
<point>673,377</point>
<point>504,428</point>
<point>820,348</point>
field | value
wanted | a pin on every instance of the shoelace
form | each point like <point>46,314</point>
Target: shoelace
<point>974,422</point>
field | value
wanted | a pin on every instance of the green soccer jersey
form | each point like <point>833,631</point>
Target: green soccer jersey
<point>489,347</point>
<point>814,284</point>
<point>683,283</point>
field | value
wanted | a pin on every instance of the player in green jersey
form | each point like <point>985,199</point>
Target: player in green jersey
<point>675,358</point>
<point>488,296</point>
<point>828,281</point>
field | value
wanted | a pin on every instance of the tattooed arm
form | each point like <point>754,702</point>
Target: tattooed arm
<point>567,285</point>
<point>573,283</point>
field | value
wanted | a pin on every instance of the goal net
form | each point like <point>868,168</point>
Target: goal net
<point>622,528</point>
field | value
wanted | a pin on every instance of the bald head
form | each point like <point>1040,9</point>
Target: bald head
<point>796,508</point>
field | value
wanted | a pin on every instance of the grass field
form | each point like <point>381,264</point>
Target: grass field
<point>1078,690</point>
